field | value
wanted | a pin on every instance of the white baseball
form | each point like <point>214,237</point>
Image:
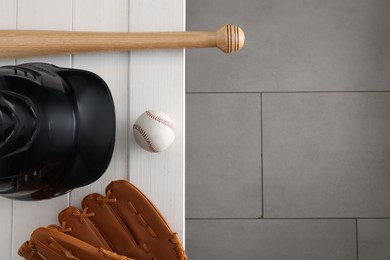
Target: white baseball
<point>154,131</point>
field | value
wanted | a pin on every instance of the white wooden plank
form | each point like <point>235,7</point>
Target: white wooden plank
<point>7,14</point>
<point>106,15</point>
<point>44,14</point>
<point>6,228</point>
<point>29,215</point>
<point>113,68</point>
<point>7,21</point>
<point>157,82</point>
<point>158,15</point>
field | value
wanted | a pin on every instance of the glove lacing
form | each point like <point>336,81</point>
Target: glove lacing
<point>111,255</point>
<point>62,229</point>
<point>107,254</point>
<point>81,216</point>
<point>181,254</point>
<point>57,246</point>
<point>106,199</point>
<point>175,240</point>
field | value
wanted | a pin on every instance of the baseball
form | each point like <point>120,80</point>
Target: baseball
<point>154,131</point>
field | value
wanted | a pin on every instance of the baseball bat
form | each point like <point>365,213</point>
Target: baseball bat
<point>25,43</point>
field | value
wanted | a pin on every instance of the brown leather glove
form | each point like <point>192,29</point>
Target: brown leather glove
<point>124,221</point>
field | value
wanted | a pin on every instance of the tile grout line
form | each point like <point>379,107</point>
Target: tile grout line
<point>296,218</point>
<point>357,238</point>
<point>288,92</point>
<point>261,155</point>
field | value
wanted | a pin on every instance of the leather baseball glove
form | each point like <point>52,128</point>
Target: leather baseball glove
<point>123,225</point>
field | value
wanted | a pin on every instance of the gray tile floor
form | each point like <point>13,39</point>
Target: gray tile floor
<point>288,140</point>
<point>218,173</point>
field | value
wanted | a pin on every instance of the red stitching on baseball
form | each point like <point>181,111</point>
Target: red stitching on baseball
<point>161,120</point>
<point>145,136</point>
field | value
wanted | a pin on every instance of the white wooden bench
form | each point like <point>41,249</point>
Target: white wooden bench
<point>139,81</point>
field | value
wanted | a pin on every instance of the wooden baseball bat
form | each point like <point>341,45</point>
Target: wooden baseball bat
<point>22,43</point>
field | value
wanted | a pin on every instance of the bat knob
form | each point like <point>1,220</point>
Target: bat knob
<point>230,38</point>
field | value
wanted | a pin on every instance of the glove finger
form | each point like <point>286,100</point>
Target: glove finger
<point>54,245</point>
<point>143,217</point>
<point>120,236</point>
<point>28,251</point>
<point>78,225</point>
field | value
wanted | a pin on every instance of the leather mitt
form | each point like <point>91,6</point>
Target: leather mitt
<point>123,225</point>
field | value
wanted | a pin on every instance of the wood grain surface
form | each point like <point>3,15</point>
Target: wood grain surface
<point>139,81</point>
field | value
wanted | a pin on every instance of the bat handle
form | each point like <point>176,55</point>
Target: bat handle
<point>228,39</point>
